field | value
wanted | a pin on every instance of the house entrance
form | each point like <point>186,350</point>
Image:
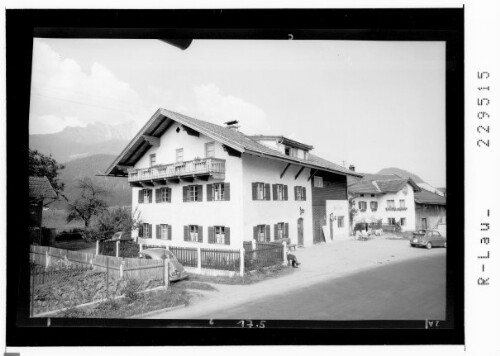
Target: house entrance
<point>300,231</point>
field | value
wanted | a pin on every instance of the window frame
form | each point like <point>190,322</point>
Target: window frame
<point>152,159</point>
<point>263,227</point>
<point>193,193</point>
<point>191,232</point>
<point>164,193</point>
<point>177,151</point>
<point>402,205</point>
<point>223,235</point>
<point>218,196</point>
<point>164,229</point>
<point>281,230</point>
<point>402,221</point>
<point>207,145</point>
<point>318,182</point>
<point>340,222</point>
<point>391,204</point>
<point>263,191</point>
<point>362,202</point>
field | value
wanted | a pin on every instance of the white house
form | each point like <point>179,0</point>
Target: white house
<point>389,198</point>
<point>197,183</point>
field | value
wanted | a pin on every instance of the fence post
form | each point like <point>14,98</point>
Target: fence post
<point>118,248</point>
<point>140,247</point>
<point>97,247</point>
<point>47,260</point>
<point>121,269</point>
<point>199,259</point>
<point>284,253</point>
<point>254,244</point>
<point>242,262</point>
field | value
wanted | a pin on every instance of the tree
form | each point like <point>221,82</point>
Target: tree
<point>90,202</point>
<point>41,165</point>
<point>112,220</point>
<point>352,212</point>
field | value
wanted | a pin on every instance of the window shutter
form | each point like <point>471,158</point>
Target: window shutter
<point>200,233</point>
<point>158,231</point>
<point>227,191</point>
<point>211,235</point>
<point>157,195</point>
<point>185,193</point>
<point>304,193</point>
<point>140,230</point>
<point>141,196</point>
<point>227,235</point>
<point>254,191</point>
<point>186,233</point>
<point>150,196</point>
<point>275,231</point>
<point>150,231</point>
<point>267,191</point>
<point>295,191</point>
<point>169,194</point>
<point>359,205</point>
<point>255,233</point>
<point>286,229</point>
<point>285,192</point>
<point>268,233</point>
<point>200,192</point>
<point>275,192</point>
<point>169,232</point>
<point>209,192</point>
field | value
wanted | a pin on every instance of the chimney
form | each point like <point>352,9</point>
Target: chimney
<point>233,125</point>
<point>352,168</point>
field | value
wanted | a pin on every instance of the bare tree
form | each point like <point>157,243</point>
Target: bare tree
<point>90,202</point>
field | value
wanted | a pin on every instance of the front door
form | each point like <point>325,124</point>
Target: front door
<point>300,231</point>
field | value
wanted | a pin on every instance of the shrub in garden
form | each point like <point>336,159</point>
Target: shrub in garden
<point>131,290</point>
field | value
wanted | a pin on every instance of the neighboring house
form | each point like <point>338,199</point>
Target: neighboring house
<point>431,189</point>
<point>194,182</point>
<point>39,190</point>
<point>389,198</point>
<point>430,210</point>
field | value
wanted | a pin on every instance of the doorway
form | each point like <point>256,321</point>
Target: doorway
<point>424,223</point>
<point>300,232</point>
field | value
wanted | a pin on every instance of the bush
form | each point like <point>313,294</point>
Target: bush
<point>73,234</point>
<point>131,291</point>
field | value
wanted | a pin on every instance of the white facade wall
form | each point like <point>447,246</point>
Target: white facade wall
<point>334,209</point>
<point>206,213</point>
<point>383,214</point>
<point>270,212</point>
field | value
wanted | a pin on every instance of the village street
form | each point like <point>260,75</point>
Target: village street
<point>343,280</point>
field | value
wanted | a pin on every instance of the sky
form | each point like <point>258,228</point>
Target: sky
<point>372,104</point>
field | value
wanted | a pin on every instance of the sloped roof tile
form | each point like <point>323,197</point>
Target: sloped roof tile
<point>39,187</point>
<point>426,197</point>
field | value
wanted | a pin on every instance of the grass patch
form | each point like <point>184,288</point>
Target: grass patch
<point>249,278</point>
<point>126,307</point>
<point>73,245</point>
<point>189,284</point>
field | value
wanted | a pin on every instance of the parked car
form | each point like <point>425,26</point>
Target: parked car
<point>427,238</point>
<point>176,269</point>
<point>121,236</point>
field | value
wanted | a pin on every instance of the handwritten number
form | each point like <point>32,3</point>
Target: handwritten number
<point>485,143</point>
<point>482,114</point>
<point>486,129</point>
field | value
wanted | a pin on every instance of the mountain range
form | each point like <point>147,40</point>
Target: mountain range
<point>88,151</point>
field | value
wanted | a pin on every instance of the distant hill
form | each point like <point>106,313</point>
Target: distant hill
<point>402,173</point>
<point>77,142</point>
<point>120,191</point>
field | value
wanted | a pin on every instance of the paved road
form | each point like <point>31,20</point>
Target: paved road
<point>408,290</point>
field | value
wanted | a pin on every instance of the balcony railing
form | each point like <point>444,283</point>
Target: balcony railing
<point>207,166</point>
<point>396,209</point>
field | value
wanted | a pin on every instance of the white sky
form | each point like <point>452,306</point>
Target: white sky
<point>371,104</point>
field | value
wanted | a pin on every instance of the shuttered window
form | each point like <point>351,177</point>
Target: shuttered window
<point>300,193</point>
<point>164,232</point>
<point>147,231</point>
<point>145,196</point>
<point>280,192</point>
<point>219,235</point>
<point>374,205</point>
<point>262,233</point>
<point>218,192</point>
<point>163,195</point>
<point>362,205</point>
<point>192,193</point>
<point>280,230</point>
<point>193,233</point>
<point>318,182</point>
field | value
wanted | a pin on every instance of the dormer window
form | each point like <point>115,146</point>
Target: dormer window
<point>152,159</point>
<point>179,155</point>
<point>291,151</point>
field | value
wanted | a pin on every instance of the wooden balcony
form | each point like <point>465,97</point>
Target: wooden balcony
<point>187,171</point>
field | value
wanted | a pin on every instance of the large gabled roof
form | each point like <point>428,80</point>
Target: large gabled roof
<point>381,183</point>
<point>234,139</point>
<point>39,188</point>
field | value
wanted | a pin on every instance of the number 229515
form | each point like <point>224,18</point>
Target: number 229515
<point>483,102</point>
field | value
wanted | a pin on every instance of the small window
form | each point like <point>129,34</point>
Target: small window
<point>218,191</point>
<point>210,149</point>
<point>362,205</point>
<point>164,232</point>
<point>193,193</point>
<point>361,195</point>
<point>340,221</point>
<point>391,221</point>
<point>300,193</point>
<point>261,233</point>
<point>402,203</point>
<point>372,195</point>
<point>152,159</point>
<point>145,196</point>
<point>220,234</point>
<point>318,182</point>
<point>193,233</point>
<point>403,221</point>
<point>279,190</point>
<point>390,204</point>
<point>179,155</point>
<point>146,231</point>
<point>163,195</point>
<point>373,205</point>
<point>287,151</point>
<point>280,230</point>
<point>260,191</point>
